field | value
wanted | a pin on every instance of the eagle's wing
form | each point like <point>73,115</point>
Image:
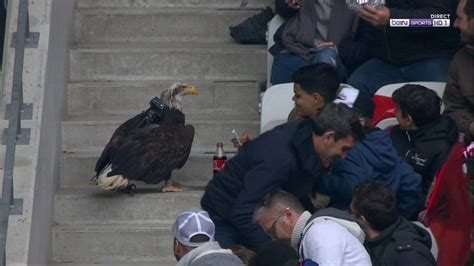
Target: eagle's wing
<point>117,139</point>
<point>151,154</point>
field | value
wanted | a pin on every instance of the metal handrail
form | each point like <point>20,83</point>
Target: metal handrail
<point>14,125</point>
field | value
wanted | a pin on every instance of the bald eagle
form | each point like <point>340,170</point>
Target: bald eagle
<point>149,146</point>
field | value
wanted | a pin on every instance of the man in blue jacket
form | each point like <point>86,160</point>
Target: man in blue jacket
<point>373,159</point>
<point>289,157</point>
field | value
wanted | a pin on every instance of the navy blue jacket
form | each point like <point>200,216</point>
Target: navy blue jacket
<point>282,158</point>
<point>375,159</point>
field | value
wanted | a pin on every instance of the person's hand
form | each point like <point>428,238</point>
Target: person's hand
<point>244,138</point>
<point>377,16</point>
<point>423,217</point>
<point>293,4</point>
<point>327,45</point>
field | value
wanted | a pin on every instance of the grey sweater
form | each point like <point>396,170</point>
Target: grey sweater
<point>210,254</point>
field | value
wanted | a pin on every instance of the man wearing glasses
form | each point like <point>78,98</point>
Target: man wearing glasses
<point>329,237</point>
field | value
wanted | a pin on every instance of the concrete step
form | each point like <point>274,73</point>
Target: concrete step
<point>86,133</point>
<point>157,24</point>
<point>170,3</point>
<point>128,98</point>
<point>122,61</point>
<point>78,167</point>
<point>95,206</point>
<point>101,244</point>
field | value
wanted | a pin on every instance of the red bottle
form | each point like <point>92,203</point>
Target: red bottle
<point>219,158</point>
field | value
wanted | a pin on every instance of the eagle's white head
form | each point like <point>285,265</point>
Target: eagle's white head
<point>173,96</point>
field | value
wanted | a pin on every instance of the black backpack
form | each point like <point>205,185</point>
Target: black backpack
<point>253,30</point>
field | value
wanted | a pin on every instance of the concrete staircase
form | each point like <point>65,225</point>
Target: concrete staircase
<point>125,53</point>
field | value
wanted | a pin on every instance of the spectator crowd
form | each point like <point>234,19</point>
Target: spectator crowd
<point>328,188</point>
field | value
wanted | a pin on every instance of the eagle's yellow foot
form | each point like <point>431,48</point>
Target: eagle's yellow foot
<point>173,187</point>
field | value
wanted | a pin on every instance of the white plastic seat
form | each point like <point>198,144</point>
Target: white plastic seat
<point>387,123</point>
<point>438,87</point>
<point>276,106</point>
<point>388,90</point>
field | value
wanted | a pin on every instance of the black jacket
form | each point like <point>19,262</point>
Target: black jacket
<point>402,243</point>
<point>426,148</point>
<point>404,46</point>
<point>282,158</point>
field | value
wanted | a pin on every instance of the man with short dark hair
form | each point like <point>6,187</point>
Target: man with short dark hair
<point>329,237</point>
<point>459,94</point>
<point>423,137</point>
<point>194,243</point>
<point>289,157</point>
<point>391,239</point>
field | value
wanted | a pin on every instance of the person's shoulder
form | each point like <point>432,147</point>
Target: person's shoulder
<point>325,228</point>
<point>463,53</point>
<point>279,131</point>
<point>217,258</point>
<point>408,236</point>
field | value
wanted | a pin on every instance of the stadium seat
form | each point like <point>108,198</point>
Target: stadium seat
<point>276,106</point>
<point>384,112</point>
<point>387,123</point>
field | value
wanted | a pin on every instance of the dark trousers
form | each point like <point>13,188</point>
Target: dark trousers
<point>375,73</point>
<point>227,234</point>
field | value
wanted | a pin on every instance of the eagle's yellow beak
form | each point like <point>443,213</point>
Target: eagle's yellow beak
<point>191,90</point>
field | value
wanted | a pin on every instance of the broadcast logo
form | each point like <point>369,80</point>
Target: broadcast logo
<point>435,20</point>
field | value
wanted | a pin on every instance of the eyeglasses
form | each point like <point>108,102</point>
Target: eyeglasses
<point>272,231</point>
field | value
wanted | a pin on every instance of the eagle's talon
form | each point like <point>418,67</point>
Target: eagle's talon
<point>130,190</point>
<point>174,187</point>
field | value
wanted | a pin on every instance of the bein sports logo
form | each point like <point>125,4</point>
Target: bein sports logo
<point>436,20</point>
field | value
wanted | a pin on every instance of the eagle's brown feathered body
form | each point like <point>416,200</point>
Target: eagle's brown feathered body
<point>147,154</point>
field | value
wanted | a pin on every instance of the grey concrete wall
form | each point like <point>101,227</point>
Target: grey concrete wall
<point>47,169</point>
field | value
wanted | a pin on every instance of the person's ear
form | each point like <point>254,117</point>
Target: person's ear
<point>410,122</point>
<point>328,137</point>
<point>316,96</point>
<point>362,121</point>
<point>318,99</point>
<point>177,247</point>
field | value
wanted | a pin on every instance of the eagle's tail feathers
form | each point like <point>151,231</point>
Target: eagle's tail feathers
<point>93,180</point>
<point>115,182</point>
